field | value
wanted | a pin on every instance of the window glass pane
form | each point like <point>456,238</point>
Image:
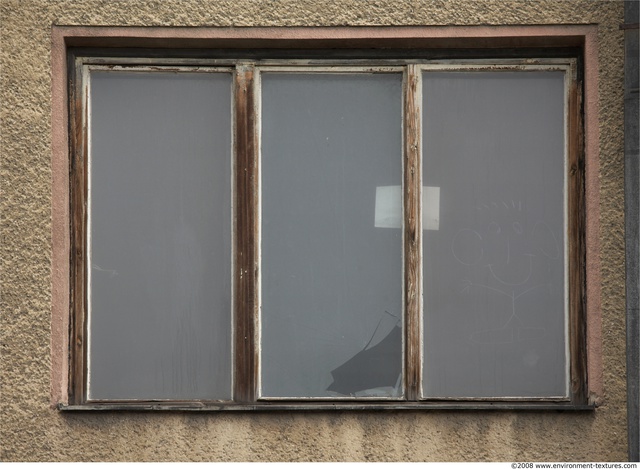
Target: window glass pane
<point>494,263</point>
<point>331,235</point>
<point>160,307</point>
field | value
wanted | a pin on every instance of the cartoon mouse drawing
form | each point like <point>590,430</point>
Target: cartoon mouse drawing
<point>512,258</point>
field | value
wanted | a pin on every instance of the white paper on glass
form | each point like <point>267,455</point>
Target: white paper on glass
<point>389,207</point>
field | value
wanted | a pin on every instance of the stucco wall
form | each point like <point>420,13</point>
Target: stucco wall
<point>32,430</point>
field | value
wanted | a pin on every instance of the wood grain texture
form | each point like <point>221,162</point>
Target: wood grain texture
<point>412,233</point>
<point>78,180</point>
<point>577,248</point>
<point>246,231</point>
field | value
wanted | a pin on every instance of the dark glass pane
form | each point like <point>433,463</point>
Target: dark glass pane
<point>331,252</point>
<point>494,268</point>
<point>160,312</point>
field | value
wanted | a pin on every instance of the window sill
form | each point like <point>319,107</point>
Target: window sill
<point>330,406</point>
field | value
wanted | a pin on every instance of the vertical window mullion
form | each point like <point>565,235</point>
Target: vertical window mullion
<point>412,232</point>
<point>245,236</point>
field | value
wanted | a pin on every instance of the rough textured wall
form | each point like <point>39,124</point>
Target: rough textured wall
<point>31,430</point>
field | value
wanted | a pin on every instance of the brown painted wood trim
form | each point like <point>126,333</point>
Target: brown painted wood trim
<point>577,247</point>
<point>246,231</point>
<point>412,233</point>
<point>78,180</point>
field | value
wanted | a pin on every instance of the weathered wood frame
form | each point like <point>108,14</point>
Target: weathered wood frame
<point>246,216</point>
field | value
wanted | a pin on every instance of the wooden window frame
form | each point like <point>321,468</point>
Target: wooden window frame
<point>246,229</point>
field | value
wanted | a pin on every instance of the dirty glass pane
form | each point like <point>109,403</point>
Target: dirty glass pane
<point>331,235</point>
<point>159,323</point>
<point>494,266</point>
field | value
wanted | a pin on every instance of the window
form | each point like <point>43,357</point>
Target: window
<point>357,232</point>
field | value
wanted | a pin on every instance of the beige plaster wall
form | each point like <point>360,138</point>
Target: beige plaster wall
<point>31,430</point>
